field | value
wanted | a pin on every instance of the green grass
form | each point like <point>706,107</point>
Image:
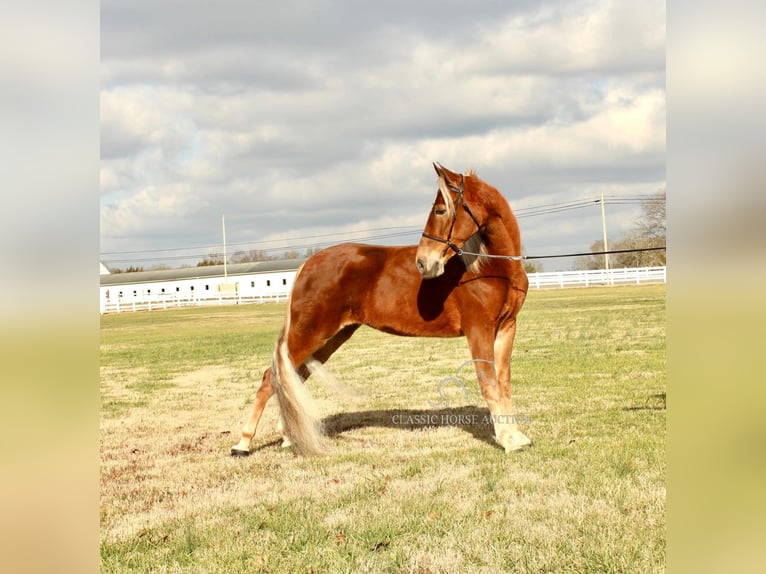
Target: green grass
<point>589,496</point>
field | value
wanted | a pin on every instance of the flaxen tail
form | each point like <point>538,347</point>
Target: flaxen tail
<point>301,424</point>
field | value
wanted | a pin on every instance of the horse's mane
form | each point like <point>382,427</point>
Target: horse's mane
<point>475,244</point>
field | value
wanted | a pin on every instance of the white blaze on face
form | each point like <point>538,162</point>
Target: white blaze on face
<point>430,254</point>
<point>448,203</point>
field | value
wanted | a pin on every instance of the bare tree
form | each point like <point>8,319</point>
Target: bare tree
<point>653,222</point>
<point>211,259</point>
<point>649,232</point>
<point>249,256</point>
<point>586,262</point>
<point>131,269</point>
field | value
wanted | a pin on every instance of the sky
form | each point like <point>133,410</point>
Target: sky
<point>305,123</point>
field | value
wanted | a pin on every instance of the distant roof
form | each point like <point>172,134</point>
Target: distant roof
<point>201,272</point>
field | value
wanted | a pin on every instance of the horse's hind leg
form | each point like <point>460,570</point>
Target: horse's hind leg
<point>265,391</point>
<point>330,346</point>
<point>321,355</point>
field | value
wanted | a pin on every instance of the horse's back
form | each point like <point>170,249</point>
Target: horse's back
<point>350,267</point>
<point>345,275</point>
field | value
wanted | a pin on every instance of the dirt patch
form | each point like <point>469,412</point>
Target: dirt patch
<point>205,375</point>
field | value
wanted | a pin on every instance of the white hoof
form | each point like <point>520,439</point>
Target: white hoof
<point>513,440</point>
<point>242,448</point>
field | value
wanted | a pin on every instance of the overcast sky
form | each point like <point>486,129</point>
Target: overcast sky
<point>316,121</point>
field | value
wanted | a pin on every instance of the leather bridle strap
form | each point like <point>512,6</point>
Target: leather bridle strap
<point>448,241</point>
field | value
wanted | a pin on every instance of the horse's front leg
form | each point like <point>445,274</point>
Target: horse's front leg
<point>491,360</point>
<point>507,431</point>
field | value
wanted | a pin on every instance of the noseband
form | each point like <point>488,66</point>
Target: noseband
<point>448,241</point>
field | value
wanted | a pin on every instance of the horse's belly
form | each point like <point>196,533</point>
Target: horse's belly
<point>409,321</point>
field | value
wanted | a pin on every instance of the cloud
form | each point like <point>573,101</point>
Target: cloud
<point>313,116</point>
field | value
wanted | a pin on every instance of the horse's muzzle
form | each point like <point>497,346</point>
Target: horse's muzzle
<point>429,269</point>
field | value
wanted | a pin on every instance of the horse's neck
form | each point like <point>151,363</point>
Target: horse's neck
<point>501,232</point>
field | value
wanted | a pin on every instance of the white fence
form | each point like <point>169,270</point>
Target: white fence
<point>556,279</point>
<point>151,303</point>
<point>627,276</point>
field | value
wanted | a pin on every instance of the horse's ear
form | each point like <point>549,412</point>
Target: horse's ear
<point>444,186</point>
<point>446,177</point>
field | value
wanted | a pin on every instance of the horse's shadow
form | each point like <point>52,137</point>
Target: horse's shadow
<point>471,419</point>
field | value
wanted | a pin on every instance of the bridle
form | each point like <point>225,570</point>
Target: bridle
<point>448,241</point>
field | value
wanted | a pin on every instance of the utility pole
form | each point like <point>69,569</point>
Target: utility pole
<point>223,227</point>
<point>603,230</point>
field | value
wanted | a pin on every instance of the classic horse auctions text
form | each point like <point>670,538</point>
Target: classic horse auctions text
<point>435,419</point>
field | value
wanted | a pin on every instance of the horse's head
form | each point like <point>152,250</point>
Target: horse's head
<point>450,224</point>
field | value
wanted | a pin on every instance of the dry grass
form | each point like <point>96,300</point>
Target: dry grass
<point>393,496</point>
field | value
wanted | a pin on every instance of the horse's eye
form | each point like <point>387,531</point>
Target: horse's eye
<point>440,210</point>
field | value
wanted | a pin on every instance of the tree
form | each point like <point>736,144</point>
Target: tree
<point>651,230</point>
<point>648,232</point>
<point>531,266</point>
<point>211,259</point>
<point>131,269</point>
<point>249,256</point>
<point>588,262</point>
<point>653,223</point>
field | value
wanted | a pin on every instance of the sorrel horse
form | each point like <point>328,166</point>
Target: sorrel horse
<point>448,285</point>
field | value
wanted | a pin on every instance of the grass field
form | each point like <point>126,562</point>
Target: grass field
<point>407,487</point>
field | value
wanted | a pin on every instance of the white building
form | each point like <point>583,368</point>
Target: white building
<point>242,283</point>
<point>272,281</point>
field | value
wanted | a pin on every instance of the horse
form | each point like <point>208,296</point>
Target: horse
<point>464,278</point>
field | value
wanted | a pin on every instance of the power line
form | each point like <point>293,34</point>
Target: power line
<point>269,249</point>
<point>255,242</point>
<point>521,213</point>
<point>579,205</point>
